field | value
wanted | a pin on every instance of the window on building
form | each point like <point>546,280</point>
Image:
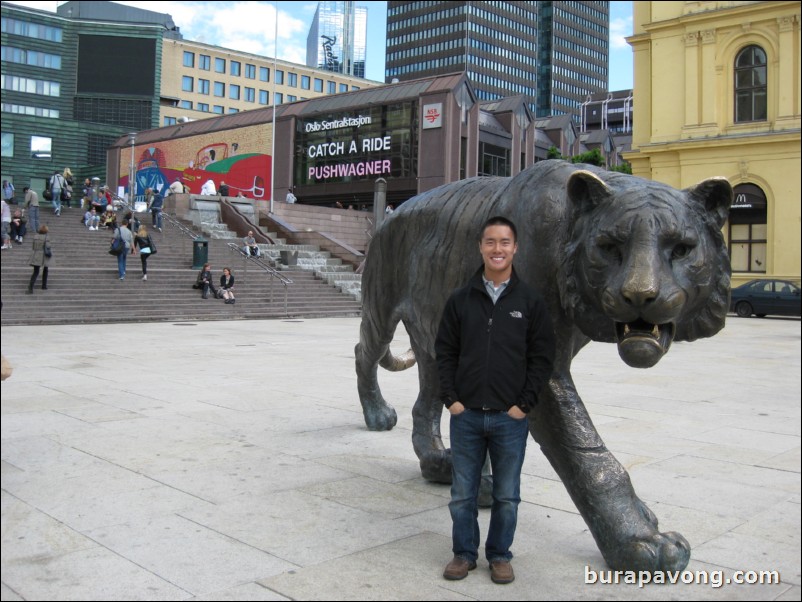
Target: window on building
<point>343,87</point>
<point>279,77</point>
<point>250,71</point>
<point>292,80</point>
<point>318,85</point>
<point>220,65</point>
<point>233,92</point>
<point>236,68</point>
<point>279,98</point>
<point>264,97</point>
<point>264,74</point>
<point>748,230</point>
<point>204,62</point>
<point>202,106</point>
<point>7,144</point>
<point>291,98</point>
<point>187,83</point>
<point>750,85</point>
<point>203,86</point>
<point>219,89</point>
<point>31,57</point>
<point>218,109</point>
<point>30,85</point>
<point>306,82</point>
<point>41,147</point>
<point>189,59</point>
<point>233,110</point>
<point>29,110</point>
<point>170,121</point>
<point>185,104</point>
<point>250,95</point>
<point>331,87</point>
<point>31,30</point>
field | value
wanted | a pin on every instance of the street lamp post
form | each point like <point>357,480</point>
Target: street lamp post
<point>132,179</point>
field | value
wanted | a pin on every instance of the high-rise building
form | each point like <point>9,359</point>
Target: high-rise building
<point>337,39</point>
<point>554,53</point>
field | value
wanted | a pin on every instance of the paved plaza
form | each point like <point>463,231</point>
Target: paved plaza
<point>230,461</point>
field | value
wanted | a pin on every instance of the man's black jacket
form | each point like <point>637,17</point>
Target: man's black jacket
<point>494,356</point>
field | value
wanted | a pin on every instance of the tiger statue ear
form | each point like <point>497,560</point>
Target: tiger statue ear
<point>586,191</point>
<point>715,195</point>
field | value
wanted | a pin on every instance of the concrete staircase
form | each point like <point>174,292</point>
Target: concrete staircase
<point>83,286</point>
<point>305,248</point>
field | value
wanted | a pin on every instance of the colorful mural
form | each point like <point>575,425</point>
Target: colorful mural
<point>235,157</point>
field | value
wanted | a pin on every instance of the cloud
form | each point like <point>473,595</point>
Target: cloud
<point>620,28</point>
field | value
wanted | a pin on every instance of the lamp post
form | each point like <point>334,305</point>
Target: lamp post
<point>132,179</point>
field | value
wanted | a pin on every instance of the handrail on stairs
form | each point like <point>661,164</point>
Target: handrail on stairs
<point>264,267</point>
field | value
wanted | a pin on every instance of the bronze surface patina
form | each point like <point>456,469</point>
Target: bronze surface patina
<point>618,258</point>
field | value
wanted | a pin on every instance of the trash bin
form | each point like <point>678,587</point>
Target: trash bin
<point>200,252</point>
<point>289,258</point>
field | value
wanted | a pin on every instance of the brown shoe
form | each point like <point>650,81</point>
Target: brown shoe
<point>458,568</point>
<point>501,572</point>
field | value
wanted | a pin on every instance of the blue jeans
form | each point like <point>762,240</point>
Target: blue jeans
<point>56,200</point>
<point>474,433</point>
<point>157,218</point>
<point>33,218</point>
<point>121,262</point>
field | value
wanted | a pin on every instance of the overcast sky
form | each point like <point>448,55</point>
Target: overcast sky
<point>250,27</point>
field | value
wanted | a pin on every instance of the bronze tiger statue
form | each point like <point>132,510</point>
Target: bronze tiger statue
<point>619,259</point>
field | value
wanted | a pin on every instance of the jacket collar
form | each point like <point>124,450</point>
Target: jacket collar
<point>478,282</point>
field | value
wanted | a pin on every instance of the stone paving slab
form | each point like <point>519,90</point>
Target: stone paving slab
<point>230,461</point>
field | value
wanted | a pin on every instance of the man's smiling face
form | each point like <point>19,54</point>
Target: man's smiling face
<point>498,246</point>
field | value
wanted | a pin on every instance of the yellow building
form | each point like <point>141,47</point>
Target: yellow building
<point>200,80</point>
<point>717,93</point>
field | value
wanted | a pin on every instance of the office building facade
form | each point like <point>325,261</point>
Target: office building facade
<point>70,87</point>
<point>201,80</point>
<point>337,39</point>
<point>555,53</point>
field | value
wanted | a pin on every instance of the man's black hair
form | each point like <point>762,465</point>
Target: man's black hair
<point>498,220</point>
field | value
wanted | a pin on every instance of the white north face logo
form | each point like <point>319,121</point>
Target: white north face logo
<point>516,314</point>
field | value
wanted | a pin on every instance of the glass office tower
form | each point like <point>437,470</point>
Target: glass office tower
<point>555,53</point>
<point>337,39</point>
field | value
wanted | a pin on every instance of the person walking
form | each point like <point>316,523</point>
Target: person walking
<point>155,204</point>
<point>128,245</point>
<point>495,351</point>
<point>32,207</point>
<point>40,258</point>
<point>57,184</point>
<point>66,193</point>
<point>143,242</point>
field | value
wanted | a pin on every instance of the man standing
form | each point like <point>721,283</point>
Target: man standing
<point>495,350</point>
<point>32,207</point>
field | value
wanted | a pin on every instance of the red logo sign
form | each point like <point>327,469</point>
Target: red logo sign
<point>432,115</point>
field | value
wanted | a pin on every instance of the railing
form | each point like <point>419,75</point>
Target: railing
<point>257,263</point>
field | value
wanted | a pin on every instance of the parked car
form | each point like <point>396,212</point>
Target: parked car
<point>763,297</point>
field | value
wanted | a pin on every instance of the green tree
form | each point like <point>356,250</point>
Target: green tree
<point>593,157</point>
<point>553,153</point>
<point>623,168</point>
